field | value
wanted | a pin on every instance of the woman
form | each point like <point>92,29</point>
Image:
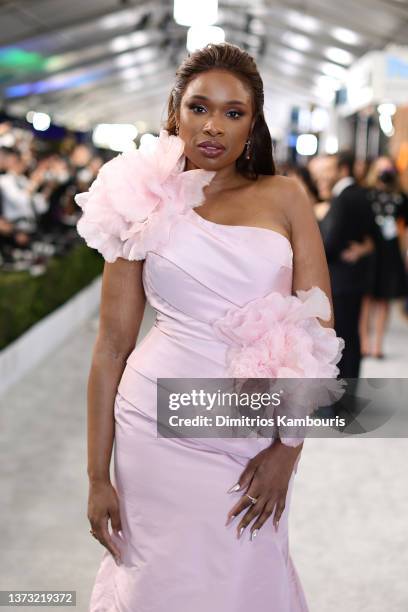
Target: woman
<point>200,225</point>
<point>390,208</point>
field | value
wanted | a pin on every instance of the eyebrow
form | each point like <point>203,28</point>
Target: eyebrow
<point>201,97</point>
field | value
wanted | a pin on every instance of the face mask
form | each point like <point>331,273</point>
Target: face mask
<point>63,177</point>
<point>84,175</point>
<point>387,177</point>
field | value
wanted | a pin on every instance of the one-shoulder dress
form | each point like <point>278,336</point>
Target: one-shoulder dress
<point>224,307</point>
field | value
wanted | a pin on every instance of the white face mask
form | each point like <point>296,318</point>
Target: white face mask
<point>62,177</point>
<point>84,175</point>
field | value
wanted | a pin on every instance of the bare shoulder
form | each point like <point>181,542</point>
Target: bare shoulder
<point>285,187</point>
<point>286,195</point>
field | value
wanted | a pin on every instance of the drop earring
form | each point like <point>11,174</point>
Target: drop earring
<point>248,152</point>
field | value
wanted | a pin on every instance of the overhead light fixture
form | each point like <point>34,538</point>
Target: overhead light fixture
<point>333,70</point>
<point>306,144</point>
<point>341,56</point>
<point>302,21</point>
<point>199,36</point>
<point>120,43</point>
<point>291,55</point>
<point>41,121</point>
<point>195,12</point>
<point>297,41</point>
<point>125,60</point>
<point>348,37</point>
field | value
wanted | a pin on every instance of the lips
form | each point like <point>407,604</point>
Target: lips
<point>211,145</point>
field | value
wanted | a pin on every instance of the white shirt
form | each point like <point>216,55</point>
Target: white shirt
<point>341,185</point>
<point>17,201</point>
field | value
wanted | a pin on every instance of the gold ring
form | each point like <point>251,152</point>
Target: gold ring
<point>253,499</point>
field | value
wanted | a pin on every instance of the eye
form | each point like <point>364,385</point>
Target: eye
<point>195,106</point>
<point>237,114</point>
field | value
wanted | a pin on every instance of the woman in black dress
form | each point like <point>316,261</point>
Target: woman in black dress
<point>390,207</point>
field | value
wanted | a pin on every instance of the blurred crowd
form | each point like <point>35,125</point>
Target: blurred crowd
<point>38,214</point>
<point>362,213</point>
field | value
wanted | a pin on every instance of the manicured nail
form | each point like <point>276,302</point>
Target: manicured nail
<point>117,561</point>
<point>234,488</point>
<point>230,519</point>
<point>276,526</point>
<point>253,534</point>
<point>241,532</point>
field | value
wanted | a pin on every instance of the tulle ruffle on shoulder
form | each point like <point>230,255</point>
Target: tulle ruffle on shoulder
<point>130,206</point>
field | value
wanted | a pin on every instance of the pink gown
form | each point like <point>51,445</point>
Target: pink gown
<point>222,295</point>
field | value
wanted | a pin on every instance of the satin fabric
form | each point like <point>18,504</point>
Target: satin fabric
<point>178,556</point>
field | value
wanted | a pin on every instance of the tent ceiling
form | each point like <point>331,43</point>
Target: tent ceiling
<point>114,60</point>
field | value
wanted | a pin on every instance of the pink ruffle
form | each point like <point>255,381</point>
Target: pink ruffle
<point>279,336</point>
<point>129,208</point>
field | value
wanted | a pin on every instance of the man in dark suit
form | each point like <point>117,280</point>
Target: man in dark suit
<point>348,232</point>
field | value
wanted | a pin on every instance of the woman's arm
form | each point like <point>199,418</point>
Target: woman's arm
<point>122,307</point>
<point>309,259</point>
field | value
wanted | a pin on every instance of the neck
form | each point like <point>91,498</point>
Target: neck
<point>225,178</point>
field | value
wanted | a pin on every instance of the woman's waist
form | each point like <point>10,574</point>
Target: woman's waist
<point>166,353</point>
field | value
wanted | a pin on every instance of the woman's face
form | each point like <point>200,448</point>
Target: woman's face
<point>384,164</point>
<point>216,108</point>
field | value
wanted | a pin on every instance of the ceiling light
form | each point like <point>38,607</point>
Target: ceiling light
<point>41,121</point>
<point>333,70</point>
<point>298,41</point>
<point>348,37</point>
<point>195,12</point>
<point>341,56</point>
<point>199,36</point>
<point>302,21</point>
<point>331,145</point>
<point>292,56</point>
<point>306,144</point>
<point>120,43</point>
<point>124,60</point>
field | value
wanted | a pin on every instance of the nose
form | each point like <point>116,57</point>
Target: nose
<point>212,127</point>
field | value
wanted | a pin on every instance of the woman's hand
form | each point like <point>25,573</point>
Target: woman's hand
<point>266,478</point>
<point>356,250</point>
<point>103,503</point>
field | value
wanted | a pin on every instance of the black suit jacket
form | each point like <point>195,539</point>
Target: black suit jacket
<point>350,218</point>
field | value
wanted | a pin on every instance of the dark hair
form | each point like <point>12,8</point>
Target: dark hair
<point>346,159</point>
<point>12,151</point>
<point>225,56</point>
